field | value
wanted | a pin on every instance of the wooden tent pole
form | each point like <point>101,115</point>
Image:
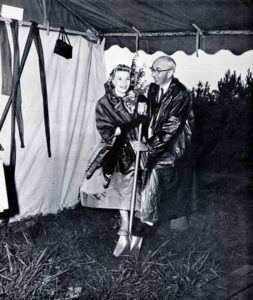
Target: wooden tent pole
<point>45,22</point>
<point>198,33</point>
<point>44,11</point>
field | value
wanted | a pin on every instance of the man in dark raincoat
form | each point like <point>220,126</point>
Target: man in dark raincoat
<point>166,185</point>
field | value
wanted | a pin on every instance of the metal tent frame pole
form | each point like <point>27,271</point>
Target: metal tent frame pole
<point>90,35</point>
<point>180,33</point>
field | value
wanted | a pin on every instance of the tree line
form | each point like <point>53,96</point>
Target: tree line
<point>222,135</point>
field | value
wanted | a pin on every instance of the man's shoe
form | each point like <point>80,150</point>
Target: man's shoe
<point>142,229</point>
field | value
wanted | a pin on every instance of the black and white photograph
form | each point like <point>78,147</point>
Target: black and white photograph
<point>126,149</point>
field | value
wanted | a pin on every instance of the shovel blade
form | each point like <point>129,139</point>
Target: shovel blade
<point>135,246</point>
<point>122,247</point>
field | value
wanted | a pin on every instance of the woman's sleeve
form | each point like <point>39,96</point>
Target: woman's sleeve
<point>105,125</point>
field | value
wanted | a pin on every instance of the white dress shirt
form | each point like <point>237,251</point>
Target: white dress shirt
<point>164,87</point>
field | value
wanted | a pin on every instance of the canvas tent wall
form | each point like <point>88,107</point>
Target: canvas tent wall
<point>75,85</point>
<point>43,184</point>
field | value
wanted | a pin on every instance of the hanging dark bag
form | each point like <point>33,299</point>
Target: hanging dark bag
<point>63,46</point>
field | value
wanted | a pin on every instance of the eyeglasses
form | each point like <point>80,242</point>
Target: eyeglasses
<point>157,71</point>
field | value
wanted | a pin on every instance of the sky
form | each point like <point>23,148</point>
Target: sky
<point>190,68</point>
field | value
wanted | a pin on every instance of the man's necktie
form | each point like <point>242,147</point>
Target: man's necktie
<point>161,95</point>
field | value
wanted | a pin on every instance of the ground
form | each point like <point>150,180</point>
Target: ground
<point>69,255</point>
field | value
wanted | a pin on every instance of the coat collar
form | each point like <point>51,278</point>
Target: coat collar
<point>166,86</point>
<point>155,87</point>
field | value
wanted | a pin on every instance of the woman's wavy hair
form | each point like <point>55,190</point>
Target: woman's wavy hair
<point>121,67</point>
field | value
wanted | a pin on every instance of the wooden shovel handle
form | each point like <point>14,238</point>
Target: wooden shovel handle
<point>133,197</point>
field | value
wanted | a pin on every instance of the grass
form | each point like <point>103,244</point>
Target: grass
<point>69,255</point>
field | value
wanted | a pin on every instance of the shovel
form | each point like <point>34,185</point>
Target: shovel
<point>131,245</point>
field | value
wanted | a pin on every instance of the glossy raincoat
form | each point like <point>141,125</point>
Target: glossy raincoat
<point>112,152</point>
<point>170,131</point>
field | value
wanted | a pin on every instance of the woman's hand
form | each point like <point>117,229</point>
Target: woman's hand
<point>139,146</point>
<point>117,131</point>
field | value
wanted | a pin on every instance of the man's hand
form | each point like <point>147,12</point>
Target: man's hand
<point>139,146</point>
<point>142,108</point>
